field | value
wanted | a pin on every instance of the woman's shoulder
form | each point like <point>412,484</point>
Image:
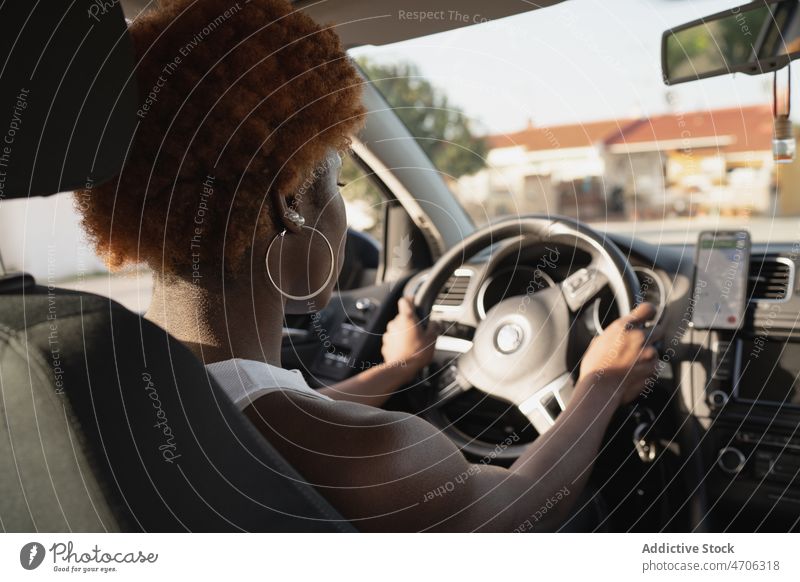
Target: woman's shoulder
<point>245,381</point>
<point>335,428</point>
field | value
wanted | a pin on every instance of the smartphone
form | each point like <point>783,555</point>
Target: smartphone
<point>722,266</point>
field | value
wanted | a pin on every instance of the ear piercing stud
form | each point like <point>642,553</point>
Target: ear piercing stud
<point>295,218</point>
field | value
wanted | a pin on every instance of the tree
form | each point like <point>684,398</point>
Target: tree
<point>442,129</point>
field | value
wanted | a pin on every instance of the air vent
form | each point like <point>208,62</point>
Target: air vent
<point>771,278</point>
<point>454,291</point>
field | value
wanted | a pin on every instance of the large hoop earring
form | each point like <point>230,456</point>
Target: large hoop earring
<point>310,295</point>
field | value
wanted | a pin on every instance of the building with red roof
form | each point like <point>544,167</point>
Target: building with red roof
<point>672,164</point>
<point>733,130</point>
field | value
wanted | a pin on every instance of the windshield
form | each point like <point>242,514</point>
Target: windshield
<point>563,111</point>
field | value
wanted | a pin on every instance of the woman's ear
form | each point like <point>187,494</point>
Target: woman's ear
<point>291,219</point>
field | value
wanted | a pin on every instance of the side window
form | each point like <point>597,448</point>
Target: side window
<point>363,199</point>
<point>364,202</point>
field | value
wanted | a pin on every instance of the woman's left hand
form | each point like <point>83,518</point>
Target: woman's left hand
<point>406,344</point>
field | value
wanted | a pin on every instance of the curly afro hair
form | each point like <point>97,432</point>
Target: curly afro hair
<point>236,99</point>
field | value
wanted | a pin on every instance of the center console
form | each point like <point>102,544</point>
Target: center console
<point>749,404</point>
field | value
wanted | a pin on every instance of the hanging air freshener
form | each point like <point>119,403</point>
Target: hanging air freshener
<point>783,141</point>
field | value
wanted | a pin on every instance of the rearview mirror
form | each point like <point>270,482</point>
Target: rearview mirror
<point>756,38</point>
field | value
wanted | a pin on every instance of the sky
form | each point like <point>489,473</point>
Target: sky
<point>574,62</point>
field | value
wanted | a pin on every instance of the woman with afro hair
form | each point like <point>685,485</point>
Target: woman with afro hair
<point>230,195</point>
<point>244,110</point>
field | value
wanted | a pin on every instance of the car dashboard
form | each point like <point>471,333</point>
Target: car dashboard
<point>734,394</point>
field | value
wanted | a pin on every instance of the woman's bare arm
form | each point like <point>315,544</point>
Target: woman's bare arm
<point>373,386</point>
<point>389,471</point>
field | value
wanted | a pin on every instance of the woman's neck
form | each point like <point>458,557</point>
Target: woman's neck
<point>219,324</point>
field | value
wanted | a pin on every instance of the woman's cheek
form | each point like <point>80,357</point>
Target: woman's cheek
<point>341,226</point>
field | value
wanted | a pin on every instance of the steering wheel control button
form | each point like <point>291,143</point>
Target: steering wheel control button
<point>731,460</point>
<point>581,286</point>
<point>577,280</point>
<point>509,338</point>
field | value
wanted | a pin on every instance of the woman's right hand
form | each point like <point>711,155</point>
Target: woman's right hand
<point>620,358</point>
<point>407,345</point>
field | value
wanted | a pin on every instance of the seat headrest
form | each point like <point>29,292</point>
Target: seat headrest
<point>67,95</point>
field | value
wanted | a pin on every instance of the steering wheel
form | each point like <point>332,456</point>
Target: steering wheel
<point>519,350</point>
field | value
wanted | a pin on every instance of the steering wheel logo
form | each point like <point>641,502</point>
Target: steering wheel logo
<point>509,338</point>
